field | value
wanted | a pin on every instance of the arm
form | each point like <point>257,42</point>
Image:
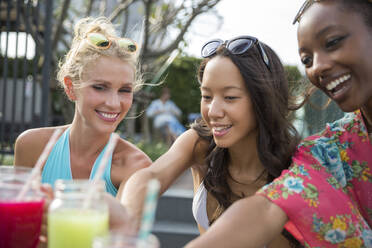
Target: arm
<point>250,222</point>
<point>166,169</point>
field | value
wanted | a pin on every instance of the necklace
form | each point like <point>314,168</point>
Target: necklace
<point>248,183</point>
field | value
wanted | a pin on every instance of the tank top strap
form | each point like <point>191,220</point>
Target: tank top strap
<point>57,165</point>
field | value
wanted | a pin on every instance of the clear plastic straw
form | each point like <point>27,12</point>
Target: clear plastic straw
<point>37,168</point>
<point>149,209</point>
<point>101,168</point>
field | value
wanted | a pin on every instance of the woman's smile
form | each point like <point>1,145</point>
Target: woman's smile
<point>108,116</point>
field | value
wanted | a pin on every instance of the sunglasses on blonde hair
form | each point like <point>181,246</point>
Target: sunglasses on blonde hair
<point>100,41</point>
<point>236,46</point>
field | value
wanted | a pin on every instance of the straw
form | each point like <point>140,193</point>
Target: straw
<point>101,168</point>
<point>37,168</point>
<point>148,215</point>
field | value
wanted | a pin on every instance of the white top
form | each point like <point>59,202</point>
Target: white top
<point>163,112</point>
<point>199,207</point>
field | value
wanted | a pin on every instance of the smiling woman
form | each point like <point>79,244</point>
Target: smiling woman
<point>243,140</point>
<point>99,74</point>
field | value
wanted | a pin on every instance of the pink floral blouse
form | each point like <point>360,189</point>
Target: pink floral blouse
<point>327,191</point>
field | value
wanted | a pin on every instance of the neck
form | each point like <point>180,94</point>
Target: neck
<point>85,141</point>
<point>244,162</point>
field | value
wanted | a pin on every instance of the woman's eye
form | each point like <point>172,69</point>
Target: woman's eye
<point>205,97</point>
<point>125,90</point>
<point>306,60</point>
<point>230,97</point>
<point>98,87</point>
<point>333,42</point>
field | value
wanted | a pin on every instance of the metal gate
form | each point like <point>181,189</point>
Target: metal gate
<point>25,68</point>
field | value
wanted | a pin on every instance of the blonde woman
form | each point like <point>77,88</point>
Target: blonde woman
<point>99,74</point>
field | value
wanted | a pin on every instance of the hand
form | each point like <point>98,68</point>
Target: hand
<point>47,190</point>
<point>119,217</point>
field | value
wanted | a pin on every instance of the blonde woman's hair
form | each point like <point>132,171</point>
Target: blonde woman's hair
<point>82,53</point>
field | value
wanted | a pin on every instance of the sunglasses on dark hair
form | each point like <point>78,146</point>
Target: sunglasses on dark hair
<point>100,41</point>
<point>236,46</point>
<point>303,8</point>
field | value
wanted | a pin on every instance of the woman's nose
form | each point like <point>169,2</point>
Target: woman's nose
<point>216,109</point>
<point>322,64</point>
<point>113,100</point>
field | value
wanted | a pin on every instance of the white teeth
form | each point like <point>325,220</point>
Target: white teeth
<point>336,82</point>
<point>109,116</point>
<point>218,129</point>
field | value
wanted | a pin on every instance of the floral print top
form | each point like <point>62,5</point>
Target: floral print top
<point>327,191</point>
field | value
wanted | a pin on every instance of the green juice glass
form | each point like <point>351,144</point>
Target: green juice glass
<point>70,223</point>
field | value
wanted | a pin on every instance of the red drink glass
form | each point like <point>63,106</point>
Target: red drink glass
<point>20,221</point>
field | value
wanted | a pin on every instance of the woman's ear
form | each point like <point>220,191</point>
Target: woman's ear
<point>69,88</point>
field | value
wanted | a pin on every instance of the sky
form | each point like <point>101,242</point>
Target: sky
<point>268,20</point>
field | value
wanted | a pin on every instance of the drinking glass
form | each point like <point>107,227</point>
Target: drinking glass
<point>71,222</point>
<point>20,220</point>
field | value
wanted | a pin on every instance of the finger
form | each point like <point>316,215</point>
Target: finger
<point>47,190</point>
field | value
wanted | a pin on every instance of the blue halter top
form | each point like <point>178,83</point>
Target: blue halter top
<point>58,164</point>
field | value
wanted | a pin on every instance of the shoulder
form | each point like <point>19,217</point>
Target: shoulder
<point>328,142</point>
<point>190,140</point>
<point>31,143</point>
<point>191,143</point>
<point>130,155</point>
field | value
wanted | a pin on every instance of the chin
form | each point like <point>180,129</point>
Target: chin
<point>221,144</point>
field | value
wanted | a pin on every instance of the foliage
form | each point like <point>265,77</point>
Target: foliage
<point>6,159</point>
<point>153,149</point>
<point>295,79</point>
<point>182,81</point>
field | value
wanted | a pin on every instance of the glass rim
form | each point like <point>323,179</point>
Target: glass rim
<point>12,179</point>
<point>116,239</point>
<point>15,167</point>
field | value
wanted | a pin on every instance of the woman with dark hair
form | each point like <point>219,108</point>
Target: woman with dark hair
<point>325,196</point>
<point>243,141</point>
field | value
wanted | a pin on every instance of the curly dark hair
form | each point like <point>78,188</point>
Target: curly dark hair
<point>277,138</point>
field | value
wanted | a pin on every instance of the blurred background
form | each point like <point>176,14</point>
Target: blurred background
<point>34,35</point>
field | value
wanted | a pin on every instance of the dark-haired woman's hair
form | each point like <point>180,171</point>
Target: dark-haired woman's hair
<point>362,7</point>
<point>277,138</point>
